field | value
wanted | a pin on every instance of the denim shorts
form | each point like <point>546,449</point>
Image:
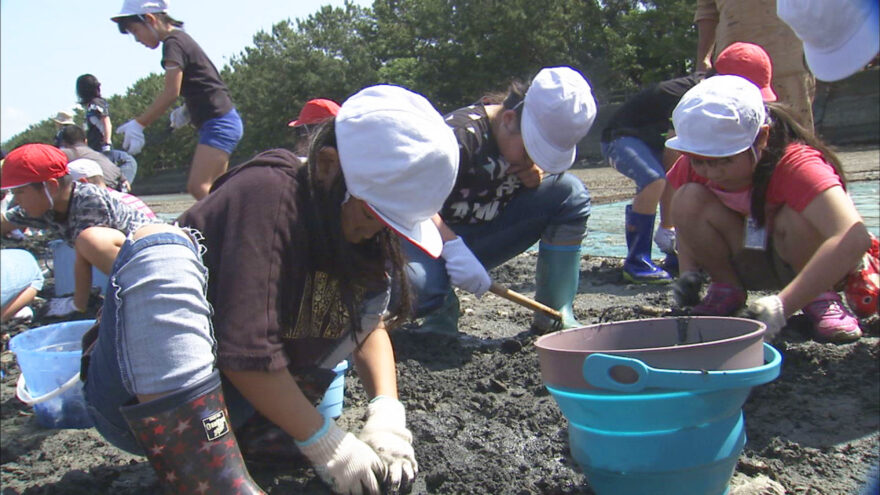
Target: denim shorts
<point>155,334</point>
<point>222,133</point>
<point>634,159</point>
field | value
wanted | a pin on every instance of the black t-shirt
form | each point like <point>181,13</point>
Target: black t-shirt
<point>646,115</point>
<point>205,93</point>
<point>96,110</point>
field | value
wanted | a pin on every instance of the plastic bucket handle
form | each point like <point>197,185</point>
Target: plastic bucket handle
<point>597,372</point>
<point>24,395</point>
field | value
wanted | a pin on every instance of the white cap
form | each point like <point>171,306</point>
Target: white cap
<point>398,155</point>
<point>840,36</point>
<point>83,168</point>
<point>558,111</point>
<point>721,116</point>
<point>140,7</point>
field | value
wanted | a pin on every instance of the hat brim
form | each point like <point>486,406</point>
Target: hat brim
<point>294,123</point>
<point>677,144</point>
<point>424,235</point>
<point>767,94</point>
<point>850,57</point>
<point>545,155</point>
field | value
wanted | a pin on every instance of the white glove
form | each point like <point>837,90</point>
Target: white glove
<point>386,432</point>
<point>61,306</point>
<point>464,269</point>
<point>769,310</point>
<point>134,136</point>
<point>665,240</point>
<point>179,117</point>
<point>346,464</point>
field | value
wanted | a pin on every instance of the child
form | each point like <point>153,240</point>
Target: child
<point>98,134</point>
<point>760,203</point>
<point>73,144</point>
<point>88,171</point>
<point>21,279</point>
<point>188,72</point>
<point>296,260</point>
<point>61,119</point>
<point>510,193</point>
<point>88,217</point>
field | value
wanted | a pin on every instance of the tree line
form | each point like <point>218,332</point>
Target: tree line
<point>451,51</point>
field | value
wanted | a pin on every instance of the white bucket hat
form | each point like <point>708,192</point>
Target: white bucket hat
<point>558,111</point>
<point>840,36</point>
<point>141,7</point>
<point>83,168</point>
<point>721,116</point>
<point>398,155</point>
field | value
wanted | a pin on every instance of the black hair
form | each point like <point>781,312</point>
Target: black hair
<point>124,22</point>
<point>71,135</point>
<point>784,130</point>
<point>355,266</point>
<point>512,99</point>
<point>87,88</point>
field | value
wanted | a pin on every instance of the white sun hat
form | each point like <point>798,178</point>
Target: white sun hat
<point>558,111</point>
<point>398,155</point>
<point>83,168</point>
<point>721,116</point>
<point>840,36</point>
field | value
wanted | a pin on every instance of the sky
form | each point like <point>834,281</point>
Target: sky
<point>46,44</point>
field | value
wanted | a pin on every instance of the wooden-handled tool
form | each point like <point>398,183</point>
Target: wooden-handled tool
<point>520,299</point>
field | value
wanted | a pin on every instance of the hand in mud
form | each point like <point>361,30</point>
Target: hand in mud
<point>770,311</point>
<point>387,434</point>
<point>686,290</point>
<point>346,464</point>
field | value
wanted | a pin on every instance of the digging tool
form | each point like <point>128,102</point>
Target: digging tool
<point>522,300</point>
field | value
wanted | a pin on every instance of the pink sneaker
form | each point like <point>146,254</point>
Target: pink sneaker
<point>721,300</point>
<point>832,320</point>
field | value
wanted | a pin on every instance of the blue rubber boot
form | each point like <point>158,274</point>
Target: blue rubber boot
<point>556,278</point>
<point>638,266</point>
<point>445,318</point>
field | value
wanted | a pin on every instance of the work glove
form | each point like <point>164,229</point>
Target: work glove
<point>665,240</point>
<point>134,136</point>
<point>386,432</point>
<point>179,117</point>
<point>62,306</point>
<point>686,289</point>
<point>768,310</point>
<point>106,147</point>
<point>346,464</point>
<point>464,269</point>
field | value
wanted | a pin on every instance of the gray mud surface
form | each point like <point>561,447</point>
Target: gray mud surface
<point>482,420</point>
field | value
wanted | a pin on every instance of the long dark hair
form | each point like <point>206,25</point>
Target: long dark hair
<point>87,88</point>
<point>784,130</point>
<point>361,265</point>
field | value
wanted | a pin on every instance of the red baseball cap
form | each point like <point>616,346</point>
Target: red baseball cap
<point>315,112</point>
<point>749,61</point>
<point>32,163</point>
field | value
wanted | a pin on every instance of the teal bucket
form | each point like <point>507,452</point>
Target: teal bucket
<point>331,404</point>
<point>660,431</point>
<point>49,358</point>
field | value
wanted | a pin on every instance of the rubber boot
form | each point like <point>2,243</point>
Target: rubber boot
<point>670,264</point>
<point>445,318</point>
<point>556,278</point>
<point>187,437</point>
<point>638,266</point>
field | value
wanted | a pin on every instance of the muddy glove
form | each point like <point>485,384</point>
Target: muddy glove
<point>61,306</point>
<point>768,310</point>
<point>665,240</point>
<point>686,289</point>
<point>386,432</point>
<point>179,117</point>
<point>134,136</point>
<point>464,269</point>
<point>345,463</point>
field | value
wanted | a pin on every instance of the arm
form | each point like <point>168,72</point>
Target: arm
<point>173,82</point>
<point>705,43</point>
<point>108,132</point>
<point>82,278</point>
<point>374,361</point>
<point>530,175</point>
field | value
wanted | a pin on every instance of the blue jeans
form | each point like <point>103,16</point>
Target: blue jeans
<point>18,271</point>
<point>555,212</point>
<point>223,132</point>
<point>634,159</point>
<point>155,334</point>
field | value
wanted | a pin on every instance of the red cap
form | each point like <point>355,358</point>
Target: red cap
<point>315,112</point>
<point>32,163</point>
<point>749,61</point>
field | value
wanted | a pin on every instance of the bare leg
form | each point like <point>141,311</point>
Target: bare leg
<point>208,164</point>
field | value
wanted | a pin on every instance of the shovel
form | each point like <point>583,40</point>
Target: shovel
<point>502,291</point>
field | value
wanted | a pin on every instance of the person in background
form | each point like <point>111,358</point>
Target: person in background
<point>840,37</point>
<point>20,280</point>
<point>313,113</point>
<point>723,22</point>
<point>127,167</point>
<point>188,73</point>
<point>88,171</point>
<point>99,129</point>
<point>760,204</point>
<point>511,192</point>
<point>73,144</point>
<point>632,144</point>
<point>61,119</point>
<point>298,261</point>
